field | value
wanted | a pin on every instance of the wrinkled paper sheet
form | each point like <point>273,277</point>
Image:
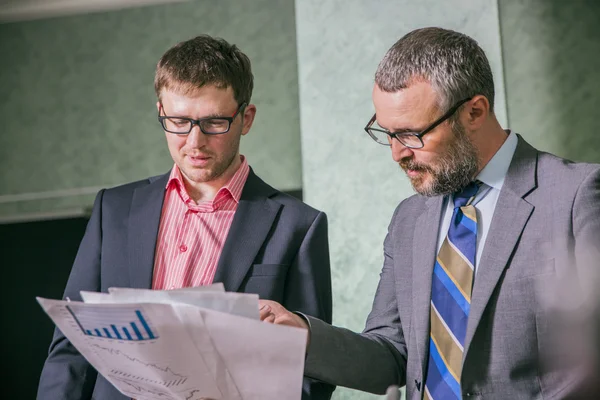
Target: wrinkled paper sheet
<point>183,344</point>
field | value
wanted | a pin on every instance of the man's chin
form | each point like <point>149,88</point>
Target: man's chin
<point>419,188</point>
<point>424,187</point>
<point>418,181</point>
<point>199,176</point>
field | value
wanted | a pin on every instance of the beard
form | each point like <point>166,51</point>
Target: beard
<point>452,170</point>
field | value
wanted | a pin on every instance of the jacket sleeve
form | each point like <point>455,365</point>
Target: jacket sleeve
<point>370,361</point>
<point>66,373</point>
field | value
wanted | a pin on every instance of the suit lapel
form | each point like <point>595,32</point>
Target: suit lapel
<point>510,217</point>
<point>249,229</point>
<point>424,253</point>
<point>144,221</point>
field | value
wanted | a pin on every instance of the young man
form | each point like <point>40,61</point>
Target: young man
<point>458,312</point>
<point>210,219</point>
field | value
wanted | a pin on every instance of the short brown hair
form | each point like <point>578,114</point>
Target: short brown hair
<point>205,60</point>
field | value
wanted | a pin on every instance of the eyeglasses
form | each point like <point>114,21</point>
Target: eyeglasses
<point>412,140</point>
<point>208,126</point>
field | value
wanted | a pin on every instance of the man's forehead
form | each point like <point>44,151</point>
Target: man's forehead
<point>418,94</point>
<point>414,104</point>
<point>202,102</point>
<point>186,90</point>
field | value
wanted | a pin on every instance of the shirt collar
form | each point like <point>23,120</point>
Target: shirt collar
<point>494,173</point>
<point>237,181</point>
<point>232,189</point>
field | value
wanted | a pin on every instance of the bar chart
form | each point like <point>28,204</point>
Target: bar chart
<point>122,323</point>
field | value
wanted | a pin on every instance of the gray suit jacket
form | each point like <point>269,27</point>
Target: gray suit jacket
<point>276,247</point>
<point>546,208</point>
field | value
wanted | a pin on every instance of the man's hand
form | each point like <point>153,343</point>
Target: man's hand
<point>275,313</point>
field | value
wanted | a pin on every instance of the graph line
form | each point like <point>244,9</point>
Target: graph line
<point>141,389</point>
<point>136,360</point>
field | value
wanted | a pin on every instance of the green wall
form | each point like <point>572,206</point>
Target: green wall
<point>79,105</point>
<point>551,53</point>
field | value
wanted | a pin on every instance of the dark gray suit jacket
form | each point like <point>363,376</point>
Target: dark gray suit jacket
<point>277,247</point>
<point>547,208</point>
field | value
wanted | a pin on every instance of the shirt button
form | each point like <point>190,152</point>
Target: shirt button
<point>183,248</point>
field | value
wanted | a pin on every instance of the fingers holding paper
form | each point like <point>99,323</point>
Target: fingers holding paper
<point>275,313</point>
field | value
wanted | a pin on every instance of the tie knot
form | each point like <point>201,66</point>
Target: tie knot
<point>465,196</point>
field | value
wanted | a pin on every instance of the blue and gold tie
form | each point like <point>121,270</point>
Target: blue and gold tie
<point>452,282</point>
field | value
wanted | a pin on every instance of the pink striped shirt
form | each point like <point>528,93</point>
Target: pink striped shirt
<point>191,235</point>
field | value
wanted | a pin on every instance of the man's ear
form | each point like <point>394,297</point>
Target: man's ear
<point>476,112</point>
<point>249,114</point>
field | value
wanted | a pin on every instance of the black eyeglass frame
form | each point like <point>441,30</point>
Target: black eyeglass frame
<point>418,135</point>
<point>162,118</point>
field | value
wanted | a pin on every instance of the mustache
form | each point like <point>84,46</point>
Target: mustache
<point>199,154</point>
<point>409,163</point>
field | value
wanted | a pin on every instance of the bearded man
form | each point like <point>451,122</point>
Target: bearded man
<point>458,312</point>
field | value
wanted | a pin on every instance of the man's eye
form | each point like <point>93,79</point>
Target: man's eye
<point>405,134</point>
<point>215,123</point>
<point>179,122</point>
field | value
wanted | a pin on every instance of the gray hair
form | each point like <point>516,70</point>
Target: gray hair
<point>453,63</point>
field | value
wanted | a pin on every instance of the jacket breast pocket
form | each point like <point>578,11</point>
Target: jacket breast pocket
<point>266,280</point>
<point>267,269</point>
<point>530,268</point>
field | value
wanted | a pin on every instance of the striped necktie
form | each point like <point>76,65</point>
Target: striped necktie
<point>452,282</point>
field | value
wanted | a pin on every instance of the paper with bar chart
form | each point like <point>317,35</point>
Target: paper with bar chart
<point>127,323</point>
<point>136,348</point>
<point>183,344</point>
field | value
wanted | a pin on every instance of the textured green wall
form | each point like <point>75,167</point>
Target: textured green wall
<point>551,52</point>
<point>78,104</point>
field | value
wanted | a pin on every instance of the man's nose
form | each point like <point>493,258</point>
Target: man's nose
<point>196,138</point>
<point>400,151</point>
